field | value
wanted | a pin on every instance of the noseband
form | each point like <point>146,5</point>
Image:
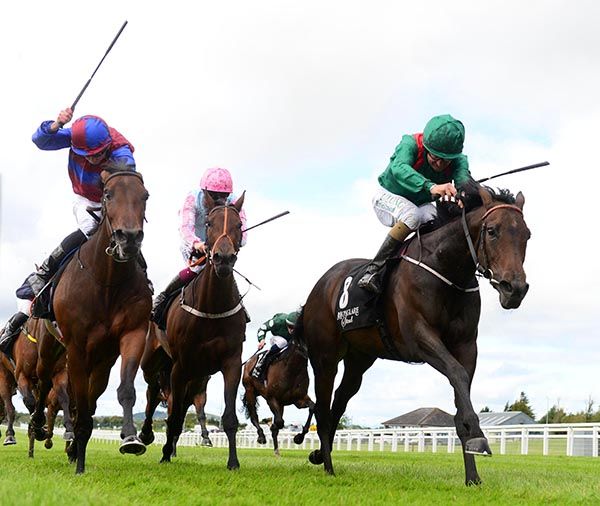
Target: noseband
<point>111,249</point>
<point>486,272</point>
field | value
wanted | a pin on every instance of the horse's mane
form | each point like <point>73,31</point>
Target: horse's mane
<point>469,192</point>
<point>114,166</point>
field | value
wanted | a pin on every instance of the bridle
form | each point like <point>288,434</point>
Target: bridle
<point>484,271</point>
<point>111,249</point>
<point>224,234</point>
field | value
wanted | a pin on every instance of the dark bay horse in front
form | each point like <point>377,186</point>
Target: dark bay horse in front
<point>429,319</point>
<point>8,388</point>
<point>156,365</point>
<point>287,384</point>
<point>102,307</point>
<point>206,328</point>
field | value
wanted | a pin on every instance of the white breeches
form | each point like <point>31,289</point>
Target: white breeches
<point>391,208</point>
<point>278,341</point>
<point>85,222</point>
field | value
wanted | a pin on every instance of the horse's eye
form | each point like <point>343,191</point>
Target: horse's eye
<point>492,231</point>
<point>107,194</point>
<point>239,226</point>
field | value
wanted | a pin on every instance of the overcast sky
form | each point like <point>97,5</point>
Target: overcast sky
<point>304,102</point>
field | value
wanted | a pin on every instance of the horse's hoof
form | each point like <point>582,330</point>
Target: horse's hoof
<point>133,445</point>
<point>48,444</point>
<point>473,482</point>
<point>206,442</point>
<point>147,437</point>
<point>478,446</point>
<point>262,440</point>
<point>299,439</point>
<point>68,436</point>
<point>315,457</point>
<point>233,466</point>
<point>10,440</point>
<point>165,460</point>
<point>39,433</point>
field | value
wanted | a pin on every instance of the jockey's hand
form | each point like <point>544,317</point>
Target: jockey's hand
<point>63,118</point>
<point>443,190</point>
<point>200,247</point>
<point>261,344</point>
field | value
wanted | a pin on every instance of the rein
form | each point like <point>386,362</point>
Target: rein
<point>486,272</point>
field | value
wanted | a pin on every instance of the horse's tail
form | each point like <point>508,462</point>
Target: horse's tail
<point>246,406</point>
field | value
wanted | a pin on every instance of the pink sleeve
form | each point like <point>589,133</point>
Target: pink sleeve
<point>243,218</point>
<point>187,216</point>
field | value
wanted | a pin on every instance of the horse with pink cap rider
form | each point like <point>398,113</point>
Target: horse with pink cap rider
<point>218,184</point>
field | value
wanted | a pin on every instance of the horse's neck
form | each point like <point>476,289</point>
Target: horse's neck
<point>217,294</point>
<point>446,249</point>
<point>106,270</point>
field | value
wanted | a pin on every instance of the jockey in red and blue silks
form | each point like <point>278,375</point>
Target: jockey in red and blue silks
<point>218,183</point>
<point>92,145</point>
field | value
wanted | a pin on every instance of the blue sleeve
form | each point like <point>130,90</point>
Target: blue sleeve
<point>47,141</point>
<point>123,154</point>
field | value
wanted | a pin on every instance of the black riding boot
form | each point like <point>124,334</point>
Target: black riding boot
<point>38,279</point>
<point>10,332</point>
<point>176,284</point>
<point>260,370</point>
<point>373,276</point>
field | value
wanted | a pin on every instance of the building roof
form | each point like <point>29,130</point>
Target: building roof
<point>423,417</point>
<point>504,418</point>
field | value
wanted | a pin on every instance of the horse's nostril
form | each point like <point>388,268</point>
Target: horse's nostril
<point>505,286</point>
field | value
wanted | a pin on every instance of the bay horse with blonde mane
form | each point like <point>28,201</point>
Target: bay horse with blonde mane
<point>431,308</point>
<point>206,328</point>
<point>286,384</point>
<point>102,307</point>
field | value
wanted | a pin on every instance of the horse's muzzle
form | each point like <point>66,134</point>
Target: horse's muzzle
<point>224,263</point>
<point>512,293</point>
<point>128,243</point>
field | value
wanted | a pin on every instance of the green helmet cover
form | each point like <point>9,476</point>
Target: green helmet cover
<point>291,318</point>
<point>444,137</point>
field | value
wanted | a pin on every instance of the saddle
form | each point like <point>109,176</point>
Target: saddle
<point>258,368</point>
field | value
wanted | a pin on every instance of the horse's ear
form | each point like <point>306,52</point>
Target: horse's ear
<point>240,201</point>
<point>208,200</point>
<point>520,200</point>
<point>104,175</point>
<point>486,197</point>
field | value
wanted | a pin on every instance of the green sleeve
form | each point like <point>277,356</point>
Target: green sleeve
<point>400,177</point>
<point>461,173</point>
<point>264,328</point>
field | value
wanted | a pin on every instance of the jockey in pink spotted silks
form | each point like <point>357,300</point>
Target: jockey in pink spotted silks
<point>92,144</point>
<point>218,184</point>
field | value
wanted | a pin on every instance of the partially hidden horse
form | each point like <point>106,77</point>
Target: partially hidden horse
<point>102,307</point>
<point>286,384</point>
<point>33,338</point>
<point>156,365</point>
<point>206,328</point>
<point>431,307</point>
<point>8,388</point>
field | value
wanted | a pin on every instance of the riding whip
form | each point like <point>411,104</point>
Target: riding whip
<point>521,169</point>
<point>266,221</point>
<point>96,70</point>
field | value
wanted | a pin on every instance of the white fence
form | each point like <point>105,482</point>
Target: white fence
<point>580,439</point>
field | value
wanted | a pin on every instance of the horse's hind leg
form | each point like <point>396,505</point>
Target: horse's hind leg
<point>177,407</point>
<point>51,417</point>
<point>355,365</point>
<point>6,395</point>
<point>153,398</point>
<point>301,404</point>
<point>62,392</point>
<point>83,420</point>
<point>200,403</point>
<point>277,424</point>
<point>250,404</point>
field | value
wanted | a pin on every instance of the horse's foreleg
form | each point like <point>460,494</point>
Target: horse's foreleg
<point>232,371</point>
<point>301,404</point>
<point>466,420</point>
<point>250,405</point>
<point>44,370</point>
<point>78,374</point>
<point>132,347</point>
<point>51,417</point>
<point>62,393</point>
<point>6,394</point>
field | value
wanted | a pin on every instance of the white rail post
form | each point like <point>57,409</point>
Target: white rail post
<point>434,442</point>
<point>524,441</point>
<point>570,441</point>
<point>546,445</point>
<point>595,441</point>
<point>502,442</point>
<point>406,441</point>
<point>394,441</point>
